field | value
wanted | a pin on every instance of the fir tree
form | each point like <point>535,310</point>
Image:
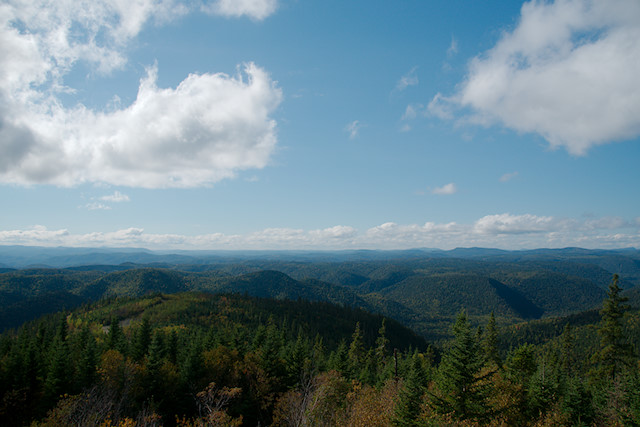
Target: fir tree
<point>116,339</point>
<point>86,369</point>
<point>461,392</point>
<point>356,354</point>
<point>615,352</point>
<point>141,341</point>
<point>409,406</point>
<point>60,368</point>
<point>490,342</point>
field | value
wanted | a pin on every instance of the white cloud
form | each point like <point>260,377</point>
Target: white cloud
<point>508,176</point>
<point>206,129</point>
<point>353,128</point>
<point>514,224</point>
<point>409,79</point>
<point>254,9</point>
<point>116,197</point>
<point>336,232</point>
<point>568,72</point>
<point>501,230</point>
<point>97,206</point>
<point>440,107</point>
<point>445,189</point>
<point>411,112</point>
<point>453,47</point>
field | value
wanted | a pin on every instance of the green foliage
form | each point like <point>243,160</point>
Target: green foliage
<point>461,392</point>
<point>616,353</point>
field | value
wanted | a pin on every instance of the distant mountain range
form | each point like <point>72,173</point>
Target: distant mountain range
<point>422,288</point>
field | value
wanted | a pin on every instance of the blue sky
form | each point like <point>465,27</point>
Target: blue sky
<point>299,124</point>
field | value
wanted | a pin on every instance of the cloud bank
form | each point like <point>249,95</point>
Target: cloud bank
<point>567,71</point>
<point>206,129</point>
<point>505,231</point>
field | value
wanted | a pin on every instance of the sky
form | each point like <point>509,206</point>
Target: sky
<point>306,124</point>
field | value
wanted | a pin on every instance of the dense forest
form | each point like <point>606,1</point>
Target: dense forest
<point>402,342</point>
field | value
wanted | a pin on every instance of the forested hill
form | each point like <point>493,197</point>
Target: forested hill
<point>160,350</point>
<point>422,293</point>
<point>194,358</point>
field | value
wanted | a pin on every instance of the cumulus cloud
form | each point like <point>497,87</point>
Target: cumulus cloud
<point>336,232</point>
<point>506,231</point>
<point>409,79</point>
<point>445,189</point>
<point>254,9</point>
<point>514,224</point>
<point>567,71</point>
<point>206,129</point>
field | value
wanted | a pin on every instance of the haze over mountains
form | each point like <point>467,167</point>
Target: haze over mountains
<point>421,288</point>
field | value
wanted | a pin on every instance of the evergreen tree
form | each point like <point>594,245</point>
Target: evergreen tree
<point>461,392</point>
<point>86,369</point>
<point>115,338</point>
<point>490,342</point>
<point>339,359</point>
<point>382,343</point>
<point>59,371</point>
<point>567,359</point>
<point>414,387</point>
<point>297,359</point>
<point>356,354</point>
<point>615,353</point>
<point>577,403</point>
<point>172,347</point>
<point>141,340</point>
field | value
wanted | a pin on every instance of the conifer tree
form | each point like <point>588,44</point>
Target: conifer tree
<point>339,359</point>
<point>490,342</point>
<point>60,368</point>
<point>461,394</point>
<point>141,341</point>
<point>356,355</point>
<point>116,339</point>
<point>414,387</point>
<point>297,359</point>
<point>86,369</point>
<point>615,353</point>
<point>382,343</point>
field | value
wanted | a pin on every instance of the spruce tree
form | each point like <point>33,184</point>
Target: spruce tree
<point>116,339</point>
<point>410,399</point>
<point>60,369</point>
<point>86,369</point>
<point>461,392</point>
<point>615,352</point>
<point>490,343</point>
<point>356,355</point>
<point>141,341</point>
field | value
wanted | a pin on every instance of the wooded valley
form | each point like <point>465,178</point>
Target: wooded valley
<point>467,338</point>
